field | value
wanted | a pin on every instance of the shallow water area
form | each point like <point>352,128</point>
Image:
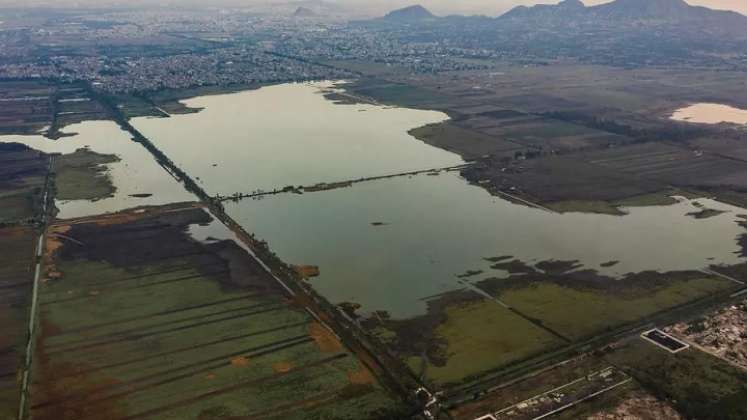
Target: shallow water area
<point>136,173</point>
<point>290,134</point>
<point>389,244</point>
<point>705,113</point>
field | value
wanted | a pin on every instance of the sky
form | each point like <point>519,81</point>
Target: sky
<point>497,7</point>
<point>377,7</point>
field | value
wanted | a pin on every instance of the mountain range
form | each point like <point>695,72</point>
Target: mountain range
<point>640,13</point>
<point>410,14</point>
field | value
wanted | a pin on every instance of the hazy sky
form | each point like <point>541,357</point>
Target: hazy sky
<point>496,7</point>
<point>441,7</point>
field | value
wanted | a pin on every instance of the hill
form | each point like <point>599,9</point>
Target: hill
<point>304,12</point>
<point>409,14</point>
<point>623,13</point>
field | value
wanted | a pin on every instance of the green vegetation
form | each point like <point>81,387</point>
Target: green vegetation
<point>26,116</point>
<point>578,313</point>
<point>545,129</point>
<point>579,206</point>
<point>698,384</point>
<point>471,144</point>
<point>138,319</point>
<point>395,94</point>
<point>16,273</point>
<point>706,213</point>
<point>82,175</point>
<point>23,174</point>
<point>663,198</point>
<point>16,206</point>
<point>133,106</point>
<point>482,336</point>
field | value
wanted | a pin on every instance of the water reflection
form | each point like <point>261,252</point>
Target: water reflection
<point>388,244</point>
<point>291,134</point>
<point>137,173</point>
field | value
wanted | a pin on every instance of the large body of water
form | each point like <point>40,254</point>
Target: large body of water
<point>388,244</point>
<point>136,172</point>
<point>291,135</point>
<point>437,228</point>
<point>711,114</point>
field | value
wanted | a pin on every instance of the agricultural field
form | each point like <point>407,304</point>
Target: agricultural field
<point>607,305</point>
<point>673,165</point>
<point>45,107</point>
<point>503,325</point>
<point>462,337</point>
<point>396,94</point>
<point>73,105</point>
<point>561,179</point>
<point>540,133</point>
<point>27,107</point>
<point>598,90</point>
<point>18,245</point>
<point>470,144</point>
<point>139,320</point>
<point>594,116</point>
<point>728,146</point>
<point>23,173</point>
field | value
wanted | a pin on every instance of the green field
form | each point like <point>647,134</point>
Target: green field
<point>16,274</point>
<point>579,313</point>
<point>395,94</point>
<point>483,336</point>
<point>22,173</point>
<point>468,143</point>
<point>130,328</point>
<point>82,175</point>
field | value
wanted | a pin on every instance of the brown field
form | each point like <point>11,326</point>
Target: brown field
<point>673,165</point>
<point>22,177</point>
<point>469,143</point>
<point>553,179</point>
<point>18,248</point>
<point>27,107</point>
<point>138,320</point>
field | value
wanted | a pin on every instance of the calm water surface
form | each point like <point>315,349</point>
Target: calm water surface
<point>437,227</point>
<point>386,244</point>
<point>433,227</point>
<point>711,114</point>
<point>291,135</point>
<point>136,173</point>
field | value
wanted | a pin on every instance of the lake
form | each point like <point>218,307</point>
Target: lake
<point>389,244</point>
<point>137,172</point>
<point>291,134</point>
<point>435,228</point>
<point>711,114</point>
